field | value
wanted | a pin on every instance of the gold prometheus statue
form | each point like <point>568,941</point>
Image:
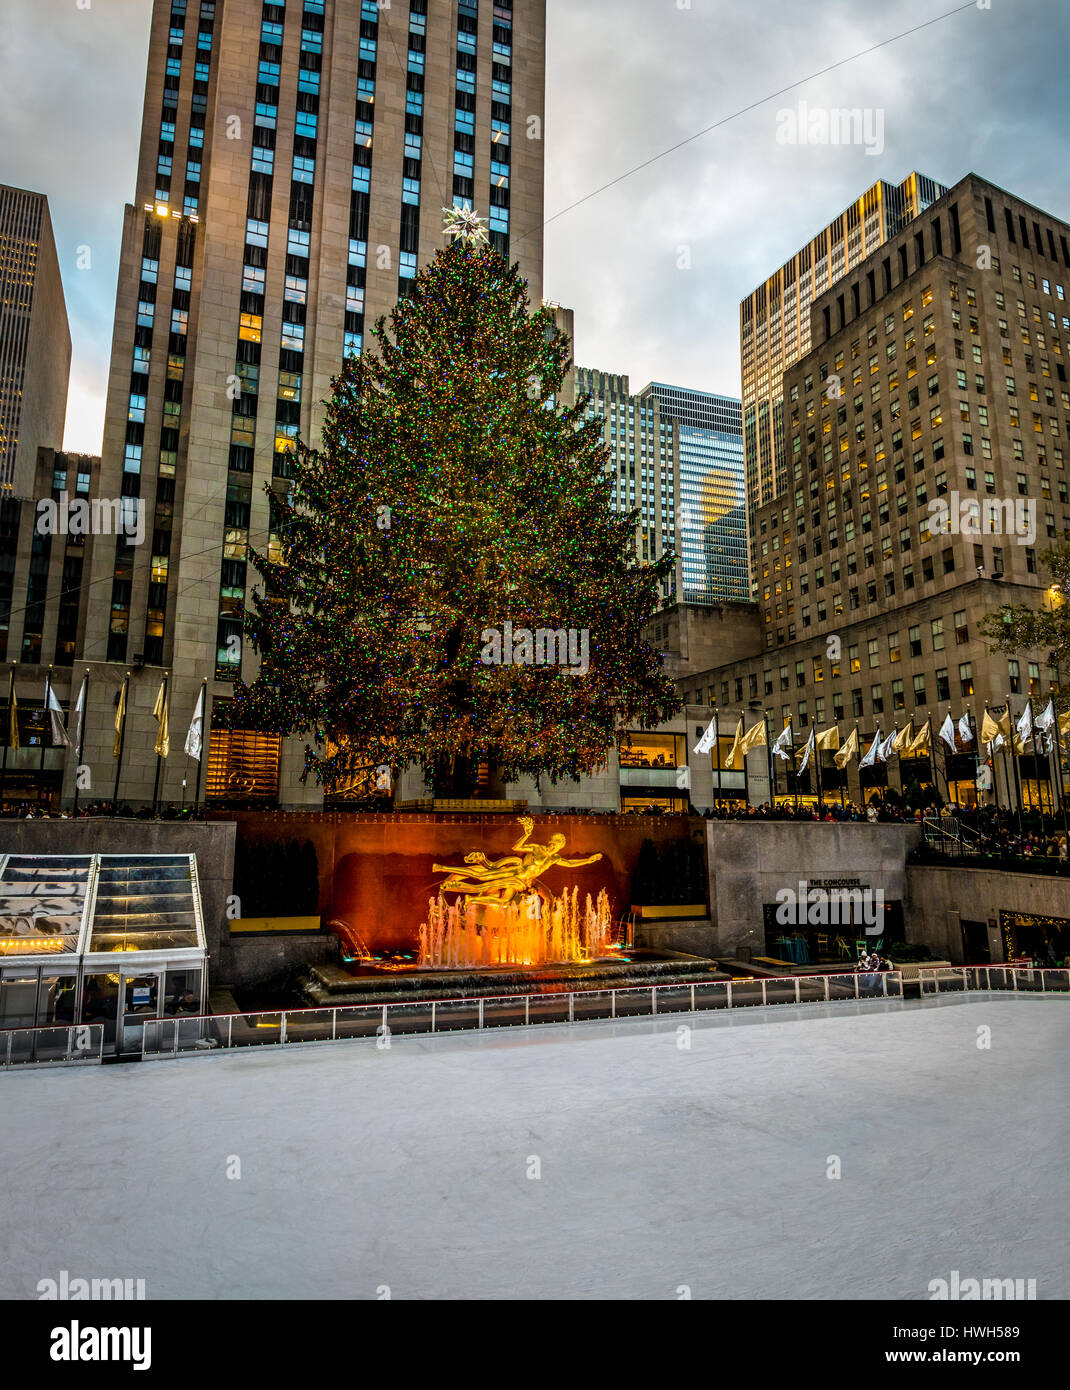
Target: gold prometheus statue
<point>498,882</point>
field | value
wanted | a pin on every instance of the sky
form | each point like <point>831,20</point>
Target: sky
<point>656,265</point>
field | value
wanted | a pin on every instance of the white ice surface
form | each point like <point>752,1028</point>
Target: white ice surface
<point>660,1167</point>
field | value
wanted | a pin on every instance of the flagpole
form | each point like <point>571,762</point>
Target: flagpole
<point>159,758</point>
<point>1014,761</point>
<point>1059,767</point>
<point>817,764</point>
<point>81,738</point>
<point>746,779</point>
<point>772,760</point>
<point>46,723</point>
<point>794,772</point>
<point>7,732</point>
<point>992,756</point>
<point>717,749</point>
<point>842,780</point>
<point>947,779</point>
<point>204,744</point>
<point>122,740</point>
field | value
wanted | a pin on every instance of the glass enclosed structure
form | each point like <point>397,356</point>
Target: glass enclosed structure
<point>109,939</point>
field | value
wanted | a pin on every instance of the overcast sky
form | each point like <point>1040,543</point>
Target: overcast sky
<point>985,89</point>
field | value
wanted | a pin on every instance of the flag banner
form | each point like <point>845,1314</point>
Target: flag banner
<point>991,727</point>
<point>920,742</point>
<point>60,736</point>
<point>783,744</point>
<point>1047,719</point>
<point>193,738</point>
<point>848,751</point>
<point>965,732</point>
<point>995,744</point>
<point>120,720</point>
<point>1064,724</point>
<point>947,733</point>
<point>871,752</point>
<point>708,739</point>
<point>755,737</point>
<point>162,746</point>
<point>903,737</point>
<point>79,710</point>
<point>829,741</point>
<point>887,748</point>
<point>811,744</point>
<point>1025,724</point>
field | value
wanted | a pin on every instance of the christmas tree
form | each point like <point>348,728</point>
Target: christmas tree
<point>448,584</point>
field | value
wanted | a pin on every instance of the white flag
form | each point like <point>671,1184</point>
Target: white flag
<point>193,738</point>
<point>79,710</point>
<point>1025,724</point>
<point>55,709</point>
<point>706,742</point>
<point>887,748</point>
<point>811,744</point>
<point>996,744</point>
<point>1047,719</point>
<point>947,732</point>
<point>871,754</point>
<point>965,732</point>
<point>783,743</point>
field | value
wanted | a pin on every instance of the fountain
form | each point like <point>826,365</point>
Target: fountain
<point>504,916</point>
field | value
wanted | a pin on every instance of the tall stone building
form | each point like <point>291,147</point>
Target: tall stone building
<point>295,160</point>
<point>35,340</point>
<point>927,431</point>
<point>644,470</point>
<point>774,320</point>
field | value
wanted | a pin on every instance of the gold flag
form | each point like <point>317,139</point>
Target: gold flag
<point>1064,724</point>
<point>120,720</point>
<point>734,762</point>
<point>848,751</point>
<point>13,714</point>
<point>991,727</point>
<point>159,712</point>
<point>903,737</point>
<point>920,742</point>
<point>830,739</point>
<point>755,737</point>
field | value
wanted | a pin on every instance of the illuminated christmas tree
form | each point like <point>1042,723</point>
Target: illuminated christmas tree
<point>448,584</point>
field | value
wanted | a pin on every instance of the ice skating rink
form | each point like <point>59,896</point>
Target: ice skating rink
<point>606,1160</point>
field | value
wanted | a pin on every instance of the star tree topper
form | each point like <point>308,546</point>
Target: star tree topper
<point>463,224</point>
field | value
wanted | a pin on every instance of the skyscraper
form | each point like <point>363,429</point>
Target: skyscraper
<point>713,523</point>
<point>35,341</point>
<point>295,159</point>
<point>644,471</point>
<point>774,320</point>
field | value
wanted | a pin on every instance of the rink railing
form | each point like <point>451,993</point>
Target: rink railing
<point>170,1036</point>
<point>54,1045</point>
<point>1002,979</point>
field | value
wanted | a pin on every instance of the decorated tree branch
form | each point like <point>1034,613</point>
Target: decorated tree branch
<point>449,584</point>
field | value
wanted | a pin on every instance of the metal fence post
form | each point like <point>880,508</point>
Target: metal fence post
<point>282,1027</point>
<point>1014,977</point>
<point>884,985</point>
<point>70,1042</point>
<point>798,1000</point>
<point>653,1000</point>
<point>728,994</point>
<point>965,986</point>
<point>692,998</point>
<point>176,1038</point>
<point>826,980</point>
<point>10,1036</point>
<point>527,1009</point>
<point>334,1025</point>
<point>856,984</point>
<point>612,1003</point>
<point>571,1002</point>
<point>432,1015</point>
<point>481,1013</point>
<point>1043,987</point>
<point>230,1028</point>
<point>764,999</point>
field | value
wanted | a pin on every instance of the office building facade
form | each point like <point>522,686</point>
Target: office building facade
<point>35,340</point>
<point>712,517</point>
<point>927,434</point>
<point>644,465</point>
<point>295,160</point>
<point>774,320</point>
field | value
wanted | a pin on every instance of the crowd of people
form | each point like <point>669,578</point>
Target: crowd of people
<point>36,810</point>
